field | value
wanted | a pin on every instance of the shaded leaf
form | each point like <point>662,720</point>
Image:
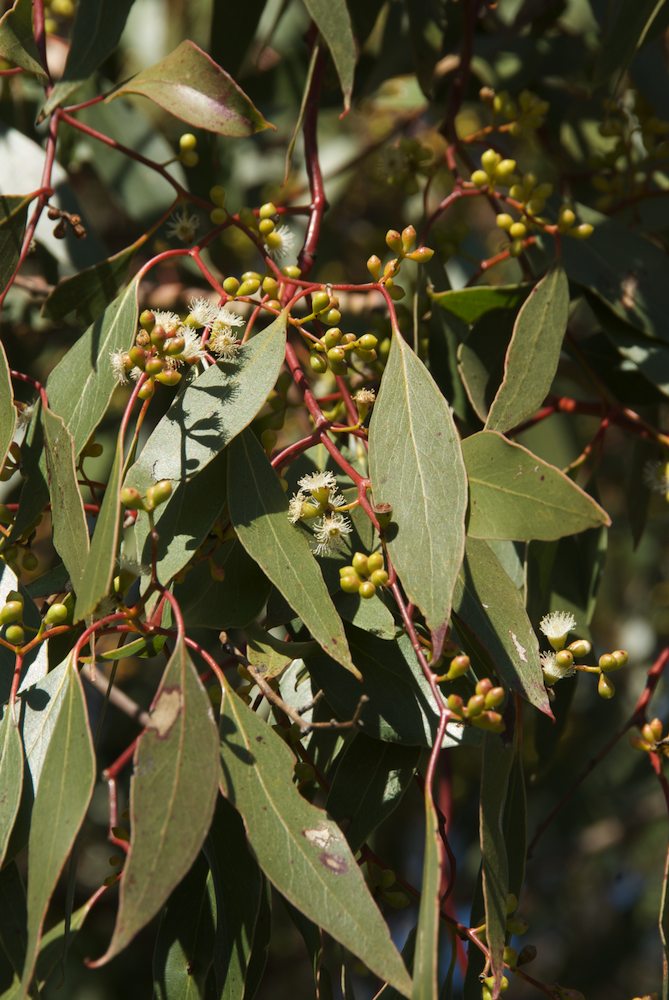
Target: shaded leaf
<point>470,304</point>
<point>184,949</point>
<point>481,358</point>
<point>497,763</point>
<point>261,941</point>
<point>663,922</point>
<point>7,408</point>
<point>98,570</point>
<point>11,776</point>
<point>626,29</point>
<point>426,947</point>
<point>533,354</point>
<point>426,31</point>
<point>514,494</point>
<point>259,514</point>
<point>172,797</point>
<point>13,213</point>
<point>332,19</point>
<point>232,602</point>
<point>88,293</point>
<point>416,465</point>
<point>368,785</point>
<point>188,84</point>
<point>515,825</point>
<point>13,920</point>
<point>230,48</point>
<point>270,655</point>
<point>302,852</point>
<point>61,801</point>
<point>96,32</point>
<point>70,534</point>
<point>17,42</point>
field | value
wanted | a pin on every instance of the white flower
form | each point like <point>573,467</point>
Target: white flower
<point>224,343</point>
<point>282,242</point>
<point>552,670</point>
<point>203,310</point>
<point>183,225</point>
<point>330,532</point>
<point>170,321</point>
<point>317,481</point>
<point>295,507</point>
<point>336,499</point>
<point>556,626</point>
<point>25,414</point>
<point>118,359</point>
<point>193,349</point>
<point>225,317</point>
<point>656,477</point>
<point>365,397</point>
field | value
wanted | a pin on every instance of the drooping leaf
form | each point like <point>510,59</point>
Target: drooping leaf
<point>368,785</point>
<point>98,569</point>
<point>97,28</point>
<point>81,385</point>
<point>17,43</point>
<point>332,19</point>
<point>515,825</point>
<point>261,941</point>
<point>188,84</point>
<point>470,304</point>
<point>61,801</point>
<point>415,463</point>
<point>172,797</point>
<point>514,494</point>
<point>13,213</point>
<point>70,534</point>
<point>497,763</point>
<point>259,514</point>
<point>269,655</point>
<point>302,852</point>
<point>184,949</point>
<point>489,609</point>
<point>11,776</point>
<point>88,293</point>
<point>626,29</point>
<point>533,354</point>
<point>7,408</point>
<point>231,602</point>
<point>212,410</point>
<point>426,948</point>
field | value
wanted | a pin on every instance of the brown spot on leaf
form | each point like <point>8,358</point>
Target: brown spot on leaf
<point>337,865</point>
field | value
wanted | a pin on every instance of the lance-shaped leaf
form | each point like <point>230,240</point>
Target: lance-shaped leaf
<point>533,353</point>
<point>11,776</point>
<point>426,948</point>
<point>514,494</point>
<point>62,798</point>
<point>17,43</point>
<point>88,293</point>
<point>490,612</point>
<point>626,28</point>
<point>13,213</point>
<point>98,570</point>
<point>416,466</point>
<point>7,408</point>
<point>172,797</point>
<point>96,32</point>
<point>212,410</point>
<point>259,514</point>
<point>332,19</point>
<point>188,84</point>
<point>303,852</point>
<point>497,763</point>
<point>70,534</point>
<point>81,385</point>
<point>470,304</point>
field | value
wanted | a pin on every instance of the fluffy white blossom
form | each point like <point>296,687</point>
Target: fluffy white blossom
<point>203,310</point>
<point>317,481</point>
<point>556,626</point>
<point>193,350</point>
<point>117,360</point>
<point>225,318</point>
<point>224,343</point>
<point>170,321</point>
<point>365,397</point>
<point>295,507</point>
<point>330,533</point>
<point>656,477</point>
<point>284,241</point>
<point>552,670</point>
<point>182,225</point>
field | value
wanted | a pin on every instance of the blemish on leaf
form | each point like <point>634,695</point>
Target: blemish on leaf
<point>337,865</point>
<point>166,711</point>
<point>520,649</point>
<point>320,836</point>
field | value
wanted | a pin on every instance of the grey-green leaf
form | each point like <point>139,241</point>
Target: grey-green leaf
<point>172,797</point>
<point>332,19</point>
<point>302,852</point>
<point>17,43</point>
<point>87,293</point>
<point>11,776</point>
<point>470,304</point>
<point>426,948</point>
<point>63,795</point>
<point>186,938</point>
<point>7,408</point>
<point>13,214</point>
<point>259,514</point>
<point>533,353</point>
<point>626,28</point>
<point>98,570</point>
<point>70,534</point>
<point>514,494</point>
<point>497,763</point>
<point>416,465</point>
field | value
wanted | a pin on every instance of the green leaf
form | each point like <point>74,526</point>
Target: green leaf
<point>212,410</point>
<point>232,602</point>
<point>11,776</point>
<point>97,29</point>
<point>70,534</point>
<point>188,84</point>
<point>426,948</point>
<point>172,797</point>
<point>81,385</point>
<point>98,570</point>
<point>497,763</point>
<point>270,655</point>
<point>259,514</point>
<point>533,354</point>
<point>302,852</point>
<point>63,795</point>
<point>13,214</point>
<point>490,611</point>
<point>7,408</point>
<point>426,32</point>
<point>415,464</point>
<point>88,293</point>
<point>17,43</point>
<point>626,29</point>
<point>470,304</point>
<point>480,358</point>
<point>515,825</point>
<point>184,949</point>
<point>514,494</point>
<point>368,785</point>
<point>332,19</point>
<point>261,942</point>
<point>230,48</point>
<point>13,919</point>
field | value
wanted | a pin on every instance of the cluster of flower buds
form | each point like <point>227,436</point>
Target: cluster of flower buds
<point>652,738</point>
<point>319,501</point>
<point>188,150</point>
<point>335,351</point>
<point>64,221</point>
<point>162,344</point>
<point>11,617</point>
<point>458,667</point>
<point>512,958</point>
<point>383,884</point>
<point>481,708</point>
<point>520,116</point>
<point>403,246</point>
<point>401,164</point>
<point>364,575</point>
<point>560,662</point>
<point>155,495</point>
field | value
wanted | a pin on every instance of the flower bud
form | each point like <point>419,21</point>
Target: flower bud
<point>620,656</point>
<point>187,142</point>
<point>138,357</point>
<point>231,286</point>
<point>147,320</point>
<point>490,160</point>
<point>318,363</point>
<point>360,563</point>
<point>249,287</point>
<point>189,158</point>
<point>367,589</point>
<point>495,697</point>
<point>517,231</point>
<point>332,337</point>
<point>408,239</point>
<point>12,612</point>
<point>480,178</point>
<point>267,210</point>
<point>332,317</point>
<point>607,662</point>
<point>455,704</point>
<point>374,267</point>
<point>422,255</point>
<point>270,286</point>
<point>217,195</point>
<point>153,366</point>
<point>132,498</point>
<point>57,614</point>
<point>350,582</point>
<point>605,687</point>
<point>564,658</point>
<point>266,226</point>
<point>368,342</point>
<point>147,390</point>
<point>170,377</point>
<point>582,232</point>
<point>375,561</point>
<point>504,169</point>
<point>158,494</point>
<point>580,647</point>
<point>458,667</point>
<point>379,577</point>
<point>291,271</point>
<point>336,354</point>
<point>15,634</point>
<point>504,220</point>
<point>475,705</point>
<point>320,301</point>
<point>394,241</point>
<point>175,346</point>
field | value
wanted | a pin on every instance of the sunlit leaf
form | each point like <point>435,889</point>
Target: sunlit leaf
<point>334,23</point>
<point>87,293</point>
<point>70,534</point>
<point>11,776</point>
<point>98,569</point>
<point>17,43</point>
<point>470,304</point>
<point>7,408</point>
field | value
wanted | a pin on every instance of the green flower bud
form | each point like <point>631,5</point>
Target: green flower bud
<point>249,287</point>
<point>495,697</point>
<point>187,142</point>
<point>174,346</point>
<point>158,494</point>
<point>491,722</point>
<point>332,337</point>
<point>12,612</point>
<point>231,286</point>
<point>189,158</point>
<point>582,232</point>
<point>169,377</point>
<point>332,317</point>
<point>504,169</point>
<point>318,363</point>
<point>337,354</point>
<point>350,582</point>
<point>374,267</point>
<point>394,241</point>
<point>621,657</point>
<point>580,647</point>
<point>360,563</point>
<point>605,687</point>
<point>147,320</point>
<point>218,216</point>
<point>15,634</point>
<point>148,389</point>
<point>517,230</point>
<point>57,614</point>
<point>480,178</point>
<point>475,705</point>
<point>564,658</point>
<point>368,342</point>
<point>320,301</point>
<point>270,286</point>
<point>366,356</point>
<point>217,195</point>
<point>455,704</point>
<point>408,239</point>
<point>153,366</point>
<point>490,160</point>
<point>421,255</point>
<point>375,561</point>
<point>291,271</point>
<point>138,357</point>
<point>607,662</point>
<point>379,577</point>
<point>132,498</point>
<point>267,210</point>
<point>367,589</point>
<point>504,220</point>
<point>266,226</point>
<point>458,667</point>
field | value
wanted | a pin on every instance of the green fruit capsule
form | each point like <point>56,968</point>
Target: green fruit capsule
<point>132,498</point>
<point>249,287</point>
<point>379,577</point>
<point>12,612</point>
<point>169,377</point>
<point>57,614</point>
<point>620,656</point>
<point>605,687</point>
<point>375,561</point>
<point>350,582</point>
<point>158,494</point>
<point>174,346</point>
<point>138,357</point>
<point>361,563</point>
<point>318,363</point>
<point>147,390</point>
<point>367,589</point>
<point>368,342</point>
<point>15,635</point>
<point>270,286</point>
<point>332,317</point>
<point>231,286</point>
<point>154,366</point>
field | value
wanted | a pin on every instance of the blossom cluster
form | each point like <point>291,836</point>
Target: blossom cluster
<point>317,500</point>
